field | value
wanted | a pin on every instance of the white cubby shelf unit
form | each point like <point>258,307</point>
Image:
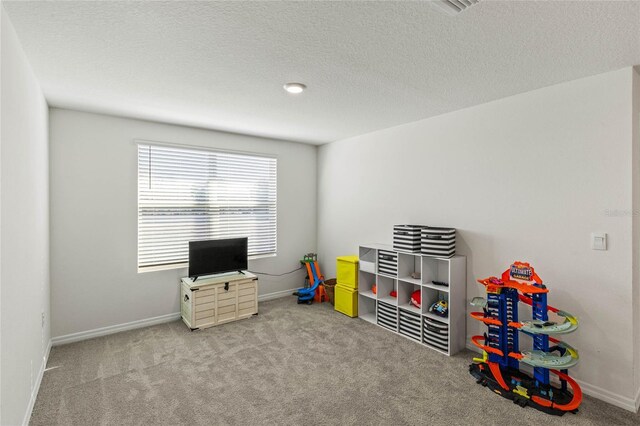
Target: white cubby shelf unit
<point>391,270</point>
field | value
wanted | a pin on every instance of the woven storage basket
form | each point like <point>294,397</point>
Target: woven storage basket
<point>329,288</point>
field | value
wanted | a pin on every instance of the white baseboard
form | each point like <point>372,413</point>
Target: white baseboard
<point>612,398</point>
<point>36,387</point>
<point>104,331</point>
<point>276,295</point>
<point>472,347</point>
<point>597,392</point>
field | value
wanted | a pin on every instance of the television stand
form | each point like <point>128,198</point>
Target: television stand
<point>218,299</point>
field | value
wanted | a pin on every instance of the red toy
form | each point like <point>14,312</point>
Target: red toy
<point>416,299</point>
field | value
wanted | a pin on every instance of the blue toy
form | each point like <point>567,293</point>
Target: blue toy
<point>306,294</point>
<point>440,308</point>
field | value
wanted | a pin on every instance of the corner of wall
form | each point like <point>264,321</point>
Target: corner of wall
<point>635,135</point>
<point>317,247</point>
<point>26,334</point>
<point>36,386</point>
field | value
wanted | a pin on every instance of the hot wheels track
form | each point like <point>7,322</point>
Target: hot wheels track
<point>498,369</point>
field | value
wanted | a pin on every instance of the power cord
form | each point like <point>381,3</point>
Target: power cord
<point>277,275</point>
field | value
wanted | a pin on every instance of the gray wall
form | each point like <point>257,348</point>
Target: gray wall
<point>636,227</point>
<point>94,273</point>
<point>523,178</point>
<point>24,231</point>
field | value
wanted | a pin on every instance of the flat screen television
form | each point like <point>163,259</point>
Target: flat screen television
<point>217,256</point>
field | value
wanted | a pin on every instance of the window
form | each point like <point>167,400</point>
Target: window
<point>188,194</point>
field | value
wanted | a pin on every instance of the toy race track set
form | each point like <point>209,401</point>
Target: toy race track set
<point>499,368</point>
<point>307,294</point>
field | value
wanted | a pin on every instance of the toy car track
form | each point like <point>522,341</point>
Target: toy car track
<point>498,369</point>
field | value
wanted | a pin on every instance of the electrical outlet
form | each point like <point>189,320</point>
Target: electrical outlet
<point>598,241</point>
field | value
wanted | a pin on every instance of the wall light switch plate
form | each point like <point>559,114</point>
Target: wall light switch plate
<point>598,241</point>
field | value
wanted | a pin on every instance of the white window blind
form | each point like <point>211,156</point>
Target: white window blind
<point>187,194</point>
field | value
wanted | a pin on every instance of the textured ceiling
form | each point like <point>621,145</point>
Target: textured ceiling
<point>367,65</point>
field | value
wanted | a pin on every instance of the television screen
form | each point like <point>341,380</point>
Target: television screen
<point>217,256</point>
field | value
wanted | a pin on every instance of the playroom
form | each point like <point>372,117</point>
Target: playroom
<point>320,212</point>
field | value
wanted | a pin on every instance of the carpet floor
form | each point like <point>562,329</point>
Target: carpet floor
<point>290,365</point>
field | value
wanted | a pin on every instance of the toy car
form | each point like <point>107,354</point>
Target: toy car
<point>440,308</point>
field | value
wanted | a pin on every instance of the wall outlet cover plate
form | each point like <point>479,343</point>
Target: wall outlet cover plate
<point>598,241</point>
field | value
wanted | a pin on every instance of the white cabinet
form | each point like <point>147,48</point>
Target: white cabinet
<point>218,299</point>
<point>404,273</point>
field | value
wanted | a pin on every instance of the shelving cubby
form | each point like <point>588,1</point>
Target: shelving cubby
<point>409,264</point>
<point>405,290</point>
<point>403,272</point>
<point>435,269</point>
<point>385,285</point>
<point>366,281</point>
<point>367,257</point>
<point>367,308</point>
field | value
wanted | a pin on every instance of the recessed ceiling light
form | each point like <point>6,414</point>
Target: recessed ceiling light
<point>294,88</point>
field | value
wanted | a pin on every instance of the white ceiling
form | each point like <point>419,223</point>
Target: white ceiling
<point>367,65</point>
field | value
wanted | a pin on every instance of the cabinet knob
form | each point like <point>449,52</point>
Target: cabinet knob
<point>186,298</point>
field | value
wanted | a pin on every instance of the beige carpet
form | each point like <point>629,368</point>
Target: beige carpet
<point>292,364</point>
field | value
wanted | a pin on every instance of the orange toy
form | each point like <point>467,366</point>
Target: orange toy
<point>321,295</point>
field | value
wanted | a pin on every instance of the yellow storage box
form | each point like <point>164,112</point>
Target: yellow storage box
<point>346,300</point>
<point>347,271</point>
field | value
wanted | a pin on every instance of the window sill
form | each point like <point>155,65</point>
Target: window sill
<point>163,267</point>
<point>186,264</point>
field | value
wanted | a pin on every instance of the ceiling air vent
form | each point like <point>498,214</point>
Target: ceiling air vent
<point>453,7</point>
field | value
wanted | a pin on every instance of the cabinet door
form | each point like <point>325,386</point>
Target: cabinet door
<point>247,299</point>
